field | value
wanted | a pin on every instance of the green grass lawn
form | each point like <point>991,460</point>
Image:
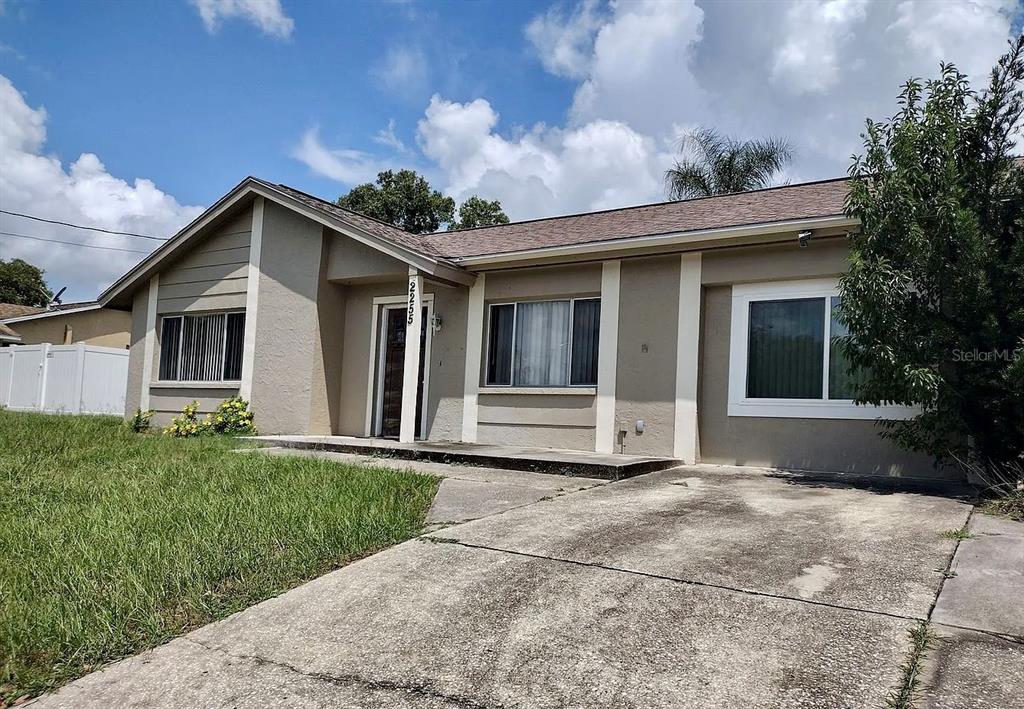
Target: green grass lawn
<point>112,542</point>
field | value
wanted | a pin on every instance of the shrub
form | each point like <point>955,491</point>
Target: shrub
<point>1002,486</point>
<point>188,425</point>
<point>139,422</point>
<point>233,417</point>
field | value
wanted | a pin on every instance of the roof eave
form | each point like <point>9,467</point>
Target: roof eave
<point>51,313</point>
<point>250,186</point>
<point>692,240</point>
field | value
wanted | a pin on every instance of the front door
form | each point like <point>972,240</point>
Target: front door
<point>392,374</point>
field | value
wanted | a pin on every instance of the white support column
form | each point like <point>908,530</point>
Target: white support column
<point>607,357</point>
<point>686,445</point>
<point>413,343</point>
<point>474,348</point>
<point>252,291</point>
<point>149,344</point>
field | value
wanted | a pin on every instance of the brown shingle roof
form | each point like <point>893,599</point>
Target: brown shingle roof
<point>775,204</point>
<point>377,228</point>
<point>11,310</point>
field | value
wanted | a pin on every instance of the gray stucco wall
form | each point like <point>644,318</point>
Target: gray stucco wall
<point>646,372</point>
<point>286,321</point>
<point>447,363</point>
<point>329,337</point>
<point>136,353</point>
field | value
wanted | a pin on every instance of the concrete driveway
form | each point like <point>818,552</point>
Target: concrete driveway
<point>698,586</point>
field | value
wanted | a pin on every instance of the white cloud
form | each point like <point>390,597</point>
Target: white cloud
<point>565,44</point>
<point>640,69</point>
<point>268,15</point>
<point>807,59</point>
<point>402,69</point>
<point>32,182</point>
<point>387,138</point>
<point>544,170</point>
<point>647,71</point>
<point>348,166</point>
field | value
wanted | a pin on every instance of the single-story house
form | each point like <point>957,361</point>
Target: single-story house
<point>65,324</point>
<point>697,329</point>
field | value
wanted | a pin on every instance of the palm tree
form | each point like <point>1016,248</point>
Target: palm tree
<point>716,164</point>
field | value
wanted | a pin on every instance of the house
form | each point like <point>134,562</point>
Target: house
<point>65,324</point>
<point>696,329</point>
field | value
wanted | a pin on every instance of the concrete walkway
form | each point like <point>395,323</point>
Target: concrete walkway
<point>978,655</point>
<point>693,587</point>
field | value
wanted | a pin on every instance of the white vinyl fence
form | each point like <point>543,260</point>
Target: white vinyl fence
<point>70,379</point>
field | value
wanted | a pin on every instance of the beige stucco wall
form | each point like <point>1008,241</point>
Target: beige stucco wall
<point>804,444</point>
<point>136,351</point>
<point>351,261</point>
<point>646,371</point>
<point>287,322</point>
<point>104,328</point>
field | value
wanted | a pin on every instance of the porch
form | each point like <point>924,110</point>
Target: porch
<point>536,460</point>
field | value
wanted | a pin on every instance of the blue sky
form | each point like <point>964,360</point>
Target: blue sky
<point>136,115</point>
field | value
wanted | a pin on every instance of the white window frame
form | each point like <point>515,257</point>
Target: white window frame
<point>740,405</point>
<point>515,321</point>
<point>181,341</point>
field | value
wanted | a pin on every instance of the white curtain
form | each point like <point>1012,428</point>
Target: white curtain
<point>542,344</point>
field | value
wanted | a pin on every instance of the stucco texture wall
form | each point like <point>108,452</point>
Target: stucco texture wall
<point>800,444</point>
<point>646,372</point>
<point>104,328</point>
<point>287,322</point>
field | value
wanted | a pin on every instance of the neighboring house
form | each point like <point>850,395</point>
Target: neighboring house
<point>696,329</point>
<point>66,324</point>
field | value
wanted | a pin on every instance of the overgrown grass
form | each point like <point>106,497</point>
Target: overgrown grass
<point>112,542</point>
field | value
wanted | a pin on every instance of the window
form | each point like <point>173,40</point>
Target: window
<point>785,359</point>
<point>202,348</point>
<point>550,343</point>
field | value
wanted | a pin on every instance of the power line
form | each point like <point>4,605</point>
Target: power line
<point>72,243</point>
<point>87,228</point>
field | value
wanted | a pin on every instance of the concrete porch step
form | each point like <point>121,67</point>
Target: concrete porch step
<point>535,460</point>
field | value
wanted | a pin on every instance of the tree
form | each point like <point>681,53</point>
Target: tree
<point>477,211</point>
<point>402,198</point>
<point>716,164</point>
<point>933,301</point>
<point>22,283</point>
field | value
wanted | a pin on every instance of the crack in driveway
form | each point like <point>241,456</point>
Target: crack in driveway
<point>429,538</point>
<point>421,689</point>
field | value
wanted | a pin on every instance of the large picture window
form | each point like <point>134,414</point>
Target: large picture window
<point>785,358</point>
<point>549,343</point>
<point>202,348</point>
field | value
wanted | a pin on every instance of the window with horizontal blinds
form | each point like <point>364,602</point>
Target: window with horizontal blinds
<point>550,343</point>
<point>202,348</point>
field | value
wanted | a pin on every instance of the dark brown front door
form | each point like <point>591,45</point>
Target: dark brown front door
<point>394,372</point>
